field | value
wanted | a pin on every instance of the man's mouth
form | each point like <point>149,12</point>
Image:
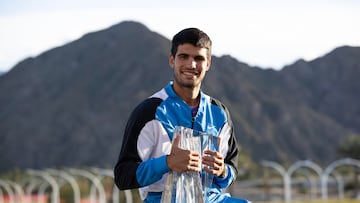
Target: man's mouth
<point>191,73</point>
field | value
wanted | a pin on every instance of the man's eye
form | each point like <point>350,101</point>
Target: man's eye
<point>199,58</point>
<point>182,56</point>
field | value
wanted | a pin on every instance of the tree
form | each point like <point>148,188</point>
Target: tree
<point>350,147</point>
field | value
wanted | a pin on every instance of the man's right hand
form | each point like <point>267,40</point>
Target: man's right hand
<point>181,160</point>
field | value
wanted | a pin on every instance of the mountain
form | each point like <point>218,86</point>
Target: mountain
<point>69,105</point>
<point>296,113</point>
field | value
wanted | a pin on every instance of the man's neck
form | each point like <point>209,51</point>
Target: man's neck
<point>190,95</point>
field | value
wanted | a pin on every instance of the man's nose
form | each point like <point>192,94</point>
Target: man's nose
<point>193,64</point>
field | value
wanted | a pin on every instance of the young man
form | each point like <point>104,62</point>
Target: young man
<point>147,152</point>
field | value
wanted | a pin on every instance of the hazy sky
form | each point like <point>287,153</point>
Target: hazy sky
<point>258,32</point>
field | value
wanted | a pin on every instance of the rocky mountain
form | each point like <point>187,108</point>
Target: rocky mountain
<point>69,105</point>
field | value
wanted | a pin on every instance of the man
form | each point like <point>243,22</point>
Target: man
<point>147,154</point>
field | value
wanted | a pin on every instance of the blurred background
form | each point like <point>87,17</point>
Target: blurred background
<point>71,72</point>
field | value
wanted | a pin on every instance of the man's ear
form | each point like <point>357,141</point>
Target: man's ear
<point>208,65</point>
<point>171,61</point>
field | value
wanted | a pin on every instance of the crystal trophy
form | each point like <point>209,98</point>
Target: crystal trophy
<point>190,186</point>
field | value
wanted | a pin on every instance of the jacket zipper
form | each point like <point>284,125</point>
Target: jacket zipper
<point>192,121</point>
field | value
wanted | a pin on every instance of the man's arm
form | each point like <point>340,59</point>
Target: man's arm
<point>127,166</point>
<point>229,149</point>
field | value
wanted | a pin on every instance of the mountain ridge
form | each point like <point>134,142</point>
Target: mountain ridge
<point>69,105</point>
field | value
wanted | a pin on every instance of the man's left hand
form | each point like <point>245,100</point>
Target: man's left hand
<point>213,163</point>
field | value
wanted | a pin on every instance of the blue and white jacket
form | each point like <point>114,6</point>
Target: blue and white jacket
<point>148,136</point>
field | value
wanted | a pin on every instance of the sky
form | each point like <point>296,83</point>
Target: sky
<point>263,33</point>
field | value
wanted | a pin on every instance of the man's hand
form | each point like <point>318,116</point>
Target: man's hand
<point>214,163</point>
<point>181,160</point>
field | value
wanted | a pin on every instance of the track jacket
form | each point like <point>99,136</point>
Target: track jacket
<point>148,134</point>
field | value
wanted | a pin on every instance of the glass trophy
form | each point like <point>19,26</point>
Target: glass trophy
<point>190,186</point>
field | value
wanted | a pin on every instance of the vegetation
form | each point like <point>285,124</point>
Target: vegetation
<point>350,147</point>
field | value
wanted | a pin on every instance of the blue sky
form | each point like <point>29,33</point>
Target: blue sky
<point>258,32</point>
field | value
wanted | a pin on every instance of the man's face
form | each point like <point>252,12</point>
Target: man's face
<point>190,65</point>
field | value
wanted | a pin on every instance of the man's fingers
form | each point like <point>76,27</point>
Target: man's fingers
<point>176,141</point>
<point>214,162</point>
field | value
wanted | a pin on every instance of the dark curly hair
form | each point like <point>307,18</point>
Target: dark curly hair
<point>193,36</point>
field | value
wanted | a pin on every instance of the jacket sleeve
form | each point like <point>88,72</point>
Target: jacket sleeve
<point>129,160</point>
<point>229,149</point>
